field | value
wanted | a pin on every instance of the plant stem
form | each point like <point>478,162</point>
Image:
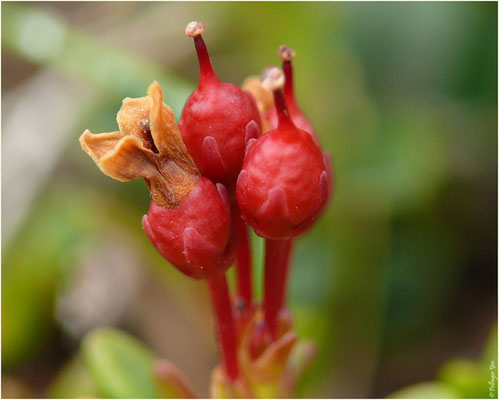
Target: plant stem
<point>288,90</point>
<point>225,324</point>
<point>276,260</point>
<point>286,261</point>
<point>243,266</point>
<point>206,73</point>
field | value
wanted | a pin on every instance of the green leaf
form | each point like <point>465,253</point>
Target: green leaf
<point>466,376</point>
<point>490,350</point>
<point>73,381</point>
<point>426,390</point>
<point>121,366</point>
<point>34,262</point>
<point>45,39</point>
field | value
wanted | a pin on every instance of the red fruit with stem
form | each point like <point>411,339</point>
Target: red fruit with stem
<point>287,54</point>
<point>195,236</point>
<point>218,119</point>
<point>283,183</point>
<point>189,218</point>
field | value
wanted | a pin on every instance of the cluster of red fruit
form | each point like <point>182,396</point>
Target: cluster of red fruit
<point>281,179</point>
<point>237,156</point>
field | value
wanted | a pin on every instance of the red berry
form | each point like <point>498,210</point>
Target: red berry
<point>283,183</point>
<point>218,119</point>
<point>195,236</point>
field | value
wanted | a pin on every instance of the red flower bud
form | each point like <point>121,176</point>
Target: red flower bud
<point>218,119</point>
<point>195,236</point>
<point>283,183</point>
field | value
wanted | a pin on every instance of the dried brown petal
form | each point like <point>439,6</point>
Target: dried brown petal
<point>165,132</point>
<point>133,119</point>
<point>123,158</point>
<point>149,145</point>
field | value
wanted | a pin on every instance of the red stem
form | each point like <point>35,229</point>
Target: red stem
<point>283,117</point>
<point>225,323</point>
<point>206,72</point>
<point>286,261</point>
<point>276,260</point>
<point>243,266</point>
<point>288,83</point>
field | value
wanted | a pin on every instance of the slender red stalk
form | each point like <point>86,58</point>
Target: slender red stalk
<point>286,262</point>
<point>274,285</point>
<point>225,324</point>
<point>282,110</point>
<point>194,30</point>
<point>243,266</point>
<point>288,83</point>
<point>286,54</point>
<point>205,67</point>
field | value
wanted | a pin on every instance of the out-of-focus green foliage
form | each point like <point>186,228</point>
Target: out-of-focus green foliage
<point>43,38</point>
<point>32,268</point>
<point>460,378</point>
<point>120,365</point>
<point>113,364</point>
<point>73,381</point>
<point>467,377</point>
<point>427,390</point>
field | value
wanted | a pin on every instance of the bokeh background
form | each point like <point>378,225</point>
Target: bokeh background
<point>397,279</point>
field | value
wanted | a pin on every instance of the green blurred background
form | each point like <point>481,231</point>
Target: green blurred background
<point>397,278</point>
